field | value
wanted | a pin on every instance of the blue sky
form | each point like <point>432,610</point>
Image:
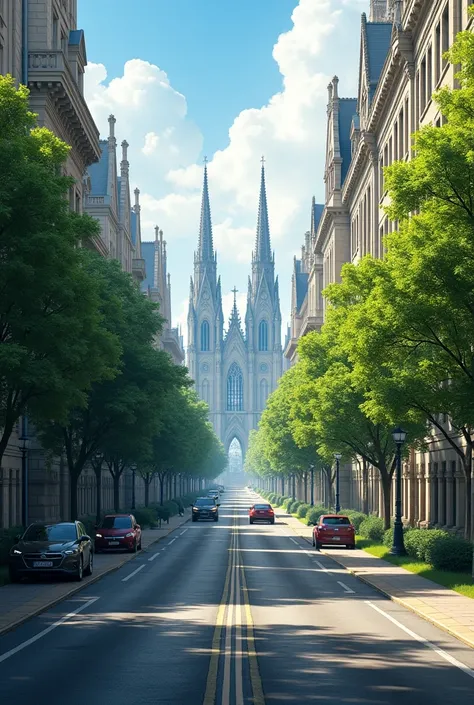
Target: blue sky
<point>231,80</point>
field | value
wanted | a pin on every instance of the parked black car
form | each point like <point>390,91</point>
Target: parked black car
<point>63,548</point>
<point>205,508</point>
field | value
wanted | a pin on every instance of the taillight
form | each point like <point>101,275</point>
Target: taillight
<point>270,511</point>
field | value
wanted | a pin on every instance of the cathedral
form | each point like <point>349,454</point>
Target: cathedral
<point>234,369</point>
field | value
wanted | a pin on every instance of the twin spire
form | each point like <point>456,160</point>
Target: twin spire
<point>263,252</point>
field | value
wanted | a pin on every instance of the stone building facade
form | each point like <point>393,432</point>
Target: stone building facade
<point>401,64</point>
<point>234,370</point>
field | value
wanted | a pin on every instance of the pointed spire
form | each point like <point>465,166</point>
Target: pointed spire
<point>263,248</point>
<point>206,247</point>
<point>234,315</point>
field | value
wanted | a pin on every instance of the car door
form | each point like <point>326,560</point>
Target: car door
<point>85,545</point>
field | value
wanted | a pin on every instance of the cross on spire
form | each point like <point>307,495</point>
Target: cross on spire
<point>234,291</point>
<point>262,160</point>
<point>205,160</point>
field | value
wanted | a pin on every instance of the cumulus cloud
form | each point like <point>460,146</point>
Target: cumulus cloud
<point>290,130</point>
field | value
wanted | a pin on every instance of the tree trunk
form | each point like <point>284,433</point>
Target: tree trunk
<point>73,482</point>
<point>98,493</point>
<point>147,480</point>
<point>365,486</point>
<point>116,478</point>
<point>162,480</point>
<point>282,486</point>
<point>305,480</point>
<point>386,480</point>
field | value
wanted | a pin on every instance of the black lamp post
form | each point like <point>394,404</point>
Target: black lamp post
<point>398,548</point>
<point>338,457</point>
<point>311,469</point>
<point>134,470</point>
<point>25,446</point>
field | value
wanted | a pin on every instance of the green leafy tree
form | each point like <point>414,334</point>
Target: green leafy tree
<point>53,344</point>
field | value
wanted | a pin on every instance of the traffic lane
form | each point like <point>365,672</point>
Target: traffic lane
<point>315,643</point>
<point>147,642</point>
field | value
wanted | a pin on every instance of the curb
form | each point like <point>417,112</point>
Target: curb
<point>398,600</point>
<point>82,585</point>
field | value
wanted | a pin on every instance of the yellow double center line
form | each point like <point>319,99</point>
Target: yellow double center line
<point>229,616</point>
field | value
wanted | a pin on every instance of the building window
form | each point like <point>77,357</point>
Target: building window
<point>204,336</point>
<point>235,389</point>
<point>263,336</point>
<point>263,393</point>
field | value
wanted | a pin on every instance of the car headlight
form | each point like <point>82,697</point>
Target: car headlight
<point>71,551</point>
<point>214,509</point>
<point>195,509</point>
<point>98,536</point>
<point>15,552</point>
<point>130,533</point>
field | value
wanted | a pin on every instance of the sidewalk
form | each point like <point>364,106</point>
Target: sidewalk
<point>446,609</point>
<point>21,601</point>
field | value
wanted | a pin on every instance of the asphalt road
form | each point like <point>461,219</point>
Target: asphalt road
<point>229,613</point>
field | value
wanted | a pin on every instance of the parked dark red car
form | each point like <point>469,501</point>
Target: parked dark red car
<point>334,530</point>
<point>118,531</point>
<point>261,512</point>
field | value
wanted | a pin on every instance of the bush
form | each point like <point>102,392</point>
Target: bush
<point>388,536</point>
<point>303,510</point>
<point>145,516</point>
<point>163,513</point>
<point>271,497</point>
<point>294,506</point>
<point>356,518</point>
<point>287,504</point>
<point>372,528</point>
<point>421,540</point>
<point>172,506</point>
<point>312,516</point>
<point>450,553</point>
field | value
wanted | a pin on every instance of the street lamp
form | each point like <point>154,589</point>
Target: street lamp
<point>134,470</point>
<point>338,457</point>
<point>311,469</point>
<point>398,547</point>
<point>25,446</point>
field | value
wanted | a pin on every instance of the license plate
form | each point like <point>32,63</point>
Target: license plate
<point>336,538</point>
<point>42,564</point>
<point>114,543</point>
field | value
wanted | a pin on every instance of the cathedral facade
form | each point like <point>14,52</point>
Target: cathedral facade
<point>234,368</point>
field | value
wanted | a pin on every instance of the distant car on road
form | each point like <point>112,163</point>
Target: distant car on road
<point>261,512</point>
<point>63,548</point>
<point>334,530</point>
<point>205,508</point>
<point>213,494</point>
<point>118,531</point>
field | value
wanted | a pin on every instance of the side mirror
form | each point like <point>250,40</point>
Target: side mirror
<point>84,538</point>
<point>18,537</point>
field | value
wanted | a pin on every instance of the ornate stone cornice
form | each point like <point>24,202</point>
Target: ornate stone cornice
<point>367,148</point>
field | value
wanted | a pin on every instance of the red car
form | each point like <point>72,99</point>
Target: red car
<point>118,531</point>
<point>261,512</point>
<point>334,530</point>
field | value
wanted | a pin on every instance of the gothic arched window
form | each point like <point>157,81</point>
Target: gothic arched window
<point>235,389</point>
<point>263,393</point>
<point>263,336</point>
<point>205,336</point>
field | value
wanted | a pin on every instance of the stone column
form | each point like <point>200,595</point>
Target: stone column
<point>460,499</point>
<point>450,519</point>
<point>441,494</point>
<point>421,495</point>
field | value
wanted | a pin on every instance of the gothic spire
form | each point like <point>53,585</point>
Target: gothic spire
<point>234,315</point>
<point>206,247</point>
<point>263,252</point>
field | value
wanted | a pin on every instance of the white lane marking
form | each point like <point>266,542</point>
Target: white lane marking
<point>140,567</point>
<point>322,567</point>
<point>447,657</point>
<point>22,646</point>
<point>344,586</point>
<point>239,683</point>
<point>155,555</point>
<point>172,541</point>
<point>183,532</point>
<point>292,539</point>
<point>226,694</point>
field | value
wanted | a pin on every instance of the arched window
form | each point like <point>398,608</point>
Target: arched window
<point>263,336</point>
<point>263,393</point>
<point>205,391</point>
<point>235,389</point>
<point>204,336</point>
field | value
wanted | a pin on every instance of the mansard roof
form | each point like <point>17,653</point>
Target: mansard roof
<point>347,108</point>
<point>318,209</point>
<point>301,280</point>
<point>376,40</point>
<point>99,172</point>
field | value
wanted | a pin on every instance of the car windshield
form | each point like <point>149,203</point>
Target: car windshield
<point>52,532</point>
<point>117,523</point>
<point>204,502</point>
<point>262,506</point>
<point>338,521</point>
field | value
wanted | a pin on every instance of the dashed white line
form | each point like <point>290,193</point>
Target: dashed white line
<point>140,567</point>
<point>447,657</point>
<point>183,532</point>
<point>172,541</point>
<point>344,586</point>
<point>155,555</point>
<point>292,539</point>
<point>22,646</point>
<point>322,567</point>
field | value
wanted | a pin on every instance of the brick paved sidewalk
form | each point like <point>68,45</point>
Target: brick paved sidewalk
<point>446,609</point>
<point>22,601</point>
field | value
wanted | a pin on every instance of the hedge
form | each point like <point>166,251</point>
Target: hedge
<point>419,541</point>
<point>303,510</point>
<point>356,517</point>
<point>372,528</point>
<point>312,517</point>
<point>450,553</point>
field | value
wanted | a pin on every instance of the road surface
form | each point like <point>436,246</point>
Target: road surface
<point>229,613</point>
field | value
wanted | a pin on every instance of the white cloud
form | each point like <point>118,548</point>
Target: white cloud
<point>290,130</point>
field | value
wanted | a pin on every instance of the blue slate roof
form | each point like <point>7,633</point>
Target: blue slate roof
<point>119,184</point>
<point>133,226</point>
<point>317,213</point>
<point>301,288</point>
<point>148,254</point>
<point>75,36</point>
<point>99,172</point>
<point>378,39</point>
<point>347,108</point>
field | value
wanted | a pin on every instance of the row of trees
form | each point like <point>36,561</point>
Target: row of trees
<point>397,346</point>
<point>77,338</point>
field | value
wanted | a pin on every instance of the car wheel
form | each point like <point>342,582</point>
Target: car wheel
<point>90,567</point>
<point>140,544</point>
<point>250,521</point>
<point>216,518</point>
<point>13,576</point>
<point>313,542</point>
<point>134,548</point>
<point>352,547</point>
<point>272,521</point>
<point>80,570</point>
<point>194,518</point>
<point>317,545</point>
